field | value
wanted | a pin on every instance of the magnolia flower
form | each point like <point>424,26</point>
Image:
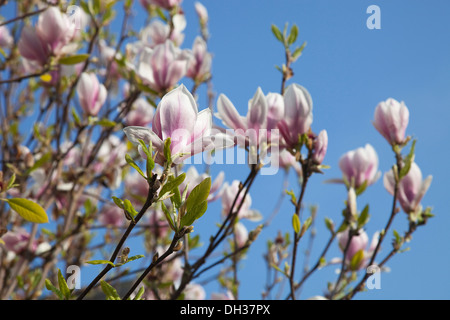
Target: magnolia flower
<point>52,35</point>
<point>141,113</point>
<point>241,233</point>
<point>16,241</point>
<point>228,196</point>
<point>199,66</point>
<point>391,120</point>
<point>111,215</point>
<point>193,178</point>
<point>287,161</point>
<point>91,93</point>
<point>262,116</point>
<point>158,32</point>
<point>177,118</point>
<point>166,4</point>
<point>297,114</point>
<point>411,188</point>
<point>194,291</point>
<point>358,243</point>
<point>162,67</point>
<point>320,147</point>
<point>6,40</point>
<point>360,166</point>
<point>201,12</point>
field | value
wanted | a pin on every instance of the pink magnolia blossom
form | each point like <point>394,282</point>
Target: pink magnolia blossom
<point>228,295</point>
<point>298,115</point>
<point>166,4</point>
<point>241,233</point>
<point>287,161</point>
<point>194,291</point>
<point>177,118</point>
<point>228,196</point>
<point>91,93</point>
<point>320,147</point>
<point>193,178</point>
<point>202,12</point>
<point>360,166</point>
<point>358,242</point>
<point>16,241</point>
<point>411,188</point>
<point>162,67</point>
<point>158,32</point>
<point>6,40</point>
<point>199,66</point>
<point>111,215</point>
<point>141,113</point>
<point>53,33</point>
<point>262,116</point>
<point>391,119</point>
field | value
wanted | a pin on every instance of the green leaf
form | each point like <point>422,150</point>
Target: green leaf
<point>139,294</point>
<point>293,197</point>
<point>277,33</point>
<point>167,151</point>
<point>28,210</point>
<point>39,163</point>
<point>63,287</point>
<point>329,224</point>
<point>109,291</point>
<point>199,194</point>
<point>129,208</point>
<point>106,123</point>
<point>357,259</point>
<point>168,216</point>
<point>409,159</point>
<point>298,51</point>
<point>131,162</point>
<point>306,226</point>
<point>52,288</point>
<point>101,262</point>
<point>73,59</point>
<point>171,184</point>
<point>118,202</point>
<point>296,223</point>
<point>195,213</point>
<point>363,217</point>
<point>293,35</point>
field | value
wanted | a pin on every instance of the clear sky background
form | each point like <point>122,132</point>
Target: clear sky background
<point>348,69</point>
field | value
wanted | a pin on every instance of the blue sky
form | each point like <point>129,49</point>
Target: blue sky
<point>348,69</point>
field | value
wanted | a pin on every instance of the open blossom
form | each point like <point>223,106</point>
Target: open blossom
<point>360,166</point>
<point>358,242</point>
<point>411,188</point>
<point>199,66</point>
<point>228,196</point>
<point>53,33</point>
<point>141,113</point>
<point>158,32</point>
<point>193,178</point>
<point>163,66</point>
<point>91,93</point>
<point>16,241</point>
<point>391,119</point>
<point>259,125</point>
<point>177,118</point>
<point>298,115</point>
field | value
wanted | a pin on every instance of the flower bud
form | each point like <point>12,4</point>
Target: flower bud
<point>391,119</point>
